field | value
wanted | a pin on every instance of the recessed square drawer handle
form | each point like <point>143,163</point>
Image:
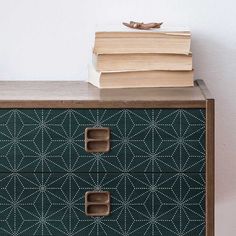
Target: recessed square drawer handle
<point>97,139</point>
<point>97,203</point>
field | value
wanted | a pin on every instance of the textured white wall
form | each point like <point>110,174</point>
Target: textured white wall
<point>52,39</point>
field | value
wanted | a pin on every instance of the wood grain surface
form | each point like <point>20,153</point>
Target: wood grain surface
<point>73,94</point>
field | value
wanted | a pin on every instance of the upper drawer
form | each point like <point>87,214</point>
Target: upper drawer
<point>141,140</point>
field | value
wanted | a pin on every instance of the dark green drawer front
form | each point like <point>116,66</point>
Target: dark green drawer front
<point>141,204</point>
<point>152,140</point>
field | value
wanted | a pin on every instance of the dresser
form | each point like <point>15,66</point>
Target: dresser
<point>79,161</point>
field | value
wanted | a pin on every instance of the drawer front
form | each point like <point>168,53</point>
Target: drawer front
<point>151,140</point>
<point>141,204</point>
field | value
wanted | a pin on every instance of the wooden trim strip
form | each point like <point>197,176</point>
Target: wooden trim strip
<point>102,104</point>
<point>210,167</point>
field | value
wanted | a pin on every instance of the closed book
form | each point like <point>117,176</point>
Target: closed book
<point>140,79</point>
<point>142,62</point>
<point>142,41</point>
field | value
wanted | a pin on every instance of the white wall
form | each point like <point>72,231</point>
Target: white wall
<point>52,39</point>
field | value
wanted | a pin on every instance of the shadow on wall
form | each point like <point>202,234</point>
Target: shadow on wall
<point>215,63</point>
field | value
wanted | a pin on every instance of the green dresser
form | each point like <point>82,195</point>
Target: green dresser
<point>158,168</point>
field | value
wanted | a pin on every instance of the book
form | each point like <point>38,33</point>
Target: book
<point>116,41</point>
<point>136,79</point>
<point>142,62</point>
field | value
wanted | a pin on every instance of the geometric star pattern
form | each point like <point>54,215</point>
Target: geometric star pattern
<point>141,204</point>
<point>151,140</point>
<point>155,172</point>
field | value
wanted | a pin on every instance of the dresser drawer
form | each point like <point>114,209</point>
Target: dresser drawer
<point>141,204</point>
<point>141,140</point>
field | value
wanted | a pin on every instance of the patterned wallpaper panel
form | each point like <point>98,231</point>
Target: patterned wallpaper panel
<point>154,172</point>
<point>152,140</point>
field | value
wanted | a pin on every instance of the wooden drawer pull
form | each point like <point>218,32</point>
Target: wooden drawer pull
<point>97,139</point>
<point>97,203</point>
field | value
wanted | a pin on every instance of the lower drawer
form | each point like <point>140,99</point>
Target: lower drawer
<point>141,204</point>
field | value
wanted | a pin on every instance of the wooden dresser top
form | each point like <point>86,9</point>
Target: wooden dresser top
<point>78,94</point>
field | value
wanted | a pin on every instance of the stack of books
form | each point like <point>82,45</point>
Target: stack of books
<point>133,58</point>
